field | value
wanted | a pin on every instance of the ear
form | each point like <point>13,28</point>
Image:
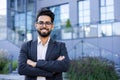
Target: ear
<point>35,25</point>
<point>52,26</point>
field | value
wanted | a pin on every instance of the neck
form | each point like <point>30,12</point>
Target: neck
<point>44,39</point>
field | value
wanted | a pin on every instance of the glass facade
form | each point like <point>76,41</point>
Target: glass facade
<point>3,28</point>
<point>22,17</point>
<point>107,11</point>
<point>116,28</point>
<point>106,17</point>
<point>84,12</point>
<point>104,30</point>
<point>61,14</point>
<point>99,38</point>
<point>20,21</point>
<point>22,13</point>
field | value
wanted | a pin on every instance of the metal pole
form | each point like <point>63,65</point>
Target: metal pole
<point>25,9</point>
<point>33,31</point>
<point>75,52</point>
<point>82,47</point>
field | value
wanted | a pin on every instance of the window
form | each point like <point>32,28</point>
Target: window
<point>104,30</point>
<point>107,11</point>
<point>116,28</point>
<point>12,3</point>
<point>20,21</point>
<point>84,12</point>
<point>61,14</point>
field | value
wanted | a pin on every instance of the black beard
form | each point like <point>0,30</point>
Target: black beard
<point>44,34</point>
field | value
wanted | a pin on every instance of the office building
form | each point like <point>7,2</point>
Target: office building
<point>94,24</point>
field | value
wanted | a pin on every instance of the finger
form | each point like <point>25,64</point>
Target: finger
<point>62,57</point>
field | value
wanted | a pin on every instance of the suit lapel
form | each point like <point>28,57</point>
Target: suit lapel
<point>49,49</point>
<point>34,50</point>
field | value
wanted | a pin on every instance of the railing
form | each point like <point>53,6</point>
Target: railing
<point>86,31</point>
<point>12,36</point>
<point>83,49</point>
<point>15,37</point>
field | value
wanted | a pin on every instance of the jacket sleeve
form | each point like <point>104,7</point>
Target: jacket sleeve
<point>55,65</point>
<point>24,69</point>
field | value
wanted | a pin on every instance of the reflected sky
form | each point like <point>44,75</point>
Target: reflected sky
<point>2,7</point>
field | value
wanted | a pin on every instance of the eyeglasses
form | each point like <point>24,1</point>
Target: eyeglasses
<point>41,23</point>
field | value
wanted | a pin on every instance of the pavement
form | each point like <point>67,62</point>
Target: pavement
<point>15,76</point>
<point>11,77</point>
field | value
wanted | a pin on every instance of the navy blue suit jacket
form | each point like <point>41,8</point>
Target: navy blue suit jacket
<point>50,68</point>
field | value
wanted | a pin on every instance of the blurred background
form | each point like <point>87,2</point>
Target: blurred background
<point>88,27</point>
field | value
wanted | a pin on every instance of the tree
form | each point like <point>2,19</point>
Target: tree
<point>68,24</point>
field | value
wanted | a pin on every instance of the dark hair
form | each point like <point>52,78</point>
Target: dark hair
<point>47,12</point>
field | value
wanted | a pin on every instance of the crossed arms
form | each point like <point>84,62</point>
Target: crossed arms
<point>45,64</point>
<point>42,67</point>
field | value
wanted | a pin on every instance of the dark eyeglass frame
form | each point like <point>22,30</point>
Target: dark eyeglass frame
<point>47,23</point>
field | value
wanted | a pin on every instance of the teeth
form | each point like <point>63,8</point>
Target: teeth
<point>44,30</point>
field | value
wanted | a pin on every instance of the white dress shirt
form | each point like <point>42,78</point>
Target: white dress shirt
<point>41,53</point>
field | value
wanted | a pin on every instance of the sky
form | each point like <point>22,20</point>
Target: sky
<point>3,7</point>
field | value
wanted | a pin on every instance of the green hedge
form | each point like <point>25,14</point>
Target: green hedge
<point>90,68</point>
<point>5,62</point>
<point>14,65</point>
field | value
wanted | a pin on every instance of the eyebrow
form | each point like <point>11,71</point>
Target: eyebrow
<point>43,21</point>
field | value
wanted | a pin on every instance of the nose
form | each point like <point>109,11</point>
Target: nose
<point>44,25</point>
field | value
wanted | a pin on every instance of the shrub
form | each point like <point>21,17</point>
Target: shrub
<point>6,63</point>
<point>14,65</point>
<point>68,24</point>
<point>3,59</point>
<point>90,68</point>
<point>6,68</point>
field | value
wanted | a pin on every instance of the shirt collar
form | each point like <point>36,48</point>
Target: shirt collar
<point>39,41</point>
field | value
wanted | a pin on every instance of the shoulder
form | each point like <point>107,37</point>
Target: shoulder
<point>28,43</point>
<point>56,42</point>
<point>59,43</point>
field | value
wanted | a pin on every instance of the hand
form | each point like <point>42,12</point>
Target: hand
<point>31,63</point>
<point>60,58</point>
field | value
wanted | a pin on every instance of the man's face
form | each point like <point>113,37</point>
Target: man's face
<point>44,26</point>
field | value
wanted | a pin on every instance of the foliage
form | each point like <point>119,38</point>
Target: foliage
<point>92,69</point>
<point>6,68</point>
<point>68,24</point>
<point>6,62</point>
<point>14,65</point>
<point>3,59</point>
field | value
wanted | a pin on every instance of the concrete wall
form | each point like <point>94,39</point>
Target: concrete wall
<point>11,48</point>
<point>45,3</point>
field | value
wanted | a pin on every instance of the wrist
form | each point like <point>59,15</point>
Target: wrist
<point>34,64</point>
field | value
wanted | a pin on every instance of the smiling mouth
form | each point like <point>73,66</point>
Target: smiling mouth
<point>44,30</point>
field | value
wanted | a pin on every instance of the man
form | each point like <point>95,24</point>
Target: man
<point>43,59</point>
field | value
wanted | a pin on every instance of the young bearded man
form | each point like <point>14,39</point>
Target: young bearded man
<point>44,58</point>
